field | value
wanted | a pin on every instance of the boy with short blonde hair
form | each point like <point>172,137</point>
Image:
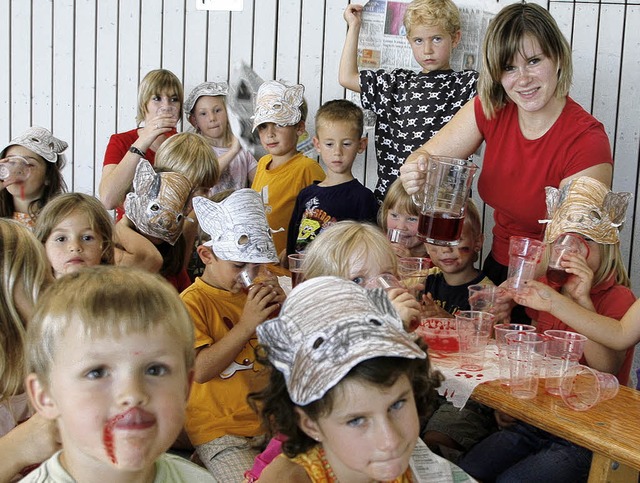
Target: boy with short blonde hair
<point>410,106</point>
<point>220,424</point>
<point>338,140</point>
<point>280,115</point>
<point>110,358</point>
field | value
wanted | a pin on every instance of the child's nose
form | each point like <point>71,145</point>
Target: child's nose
<point>75,245</point>
<point>387,436</point>
<point>132,393</point>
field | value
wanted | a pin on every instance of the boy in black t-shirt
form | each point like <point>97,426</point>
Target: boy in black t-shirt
<point>338,139</point>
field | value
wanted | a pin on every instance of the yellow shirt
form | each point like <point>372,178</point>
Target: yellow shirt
<point>280,187</point>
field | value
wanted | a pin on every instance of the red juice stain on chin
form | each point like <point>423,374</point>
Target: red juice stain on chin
<point>107,437</point>
<point>22,191</point>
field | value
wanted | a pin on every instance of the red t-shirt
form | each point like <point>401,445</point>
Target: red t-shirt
<point>516,170</point>
<point>608,299</point>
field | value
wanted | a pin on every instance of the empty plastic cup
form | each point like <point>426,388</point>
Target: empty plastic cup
<point>474,331</point>
<point>525,351</point>
<point>581,387</point>
<point>564,349</point>
<point>524,255</point>
<point>501,331</point>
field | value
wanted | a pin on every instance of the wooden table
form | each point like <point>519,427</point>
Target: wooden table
<point>610,429</point>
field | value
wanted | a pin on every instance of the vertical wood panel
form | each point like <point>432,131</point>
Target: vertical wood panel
<point>584,51</point>
<point>84,105</point>
<point>288,45</point>
<point>195,49</point>
<point>241,35</point>
<point>132,66</point>
<point>264,38</point>
<point>173,35</point>
<point>42,64</point>
<point>217,59</point>
<point>311,43</point>
<point>5,71</point>
<point>21,41</point>
<point>63,79</point>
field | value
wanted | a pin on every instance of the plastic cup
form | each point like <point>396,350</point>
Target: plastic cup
<point>257,274</point>
<point>501,331</point>
<point>14,169</point>
<point>413,272</point>
<point>581,387</point>
<point>524,255</point>
<point>385,281</point>
<point>171,111</point>
<point>566,243</point>
<point>474,331</point>
<point>295,267</point>
<point>525,351</point>
<point>564,349</point>
<point>401,237</point>
<point>483,297</point>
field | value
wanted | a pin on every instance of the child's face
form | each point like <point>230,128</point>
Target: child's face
<point>431,46</point>
<point>279,140</point>
<point>458,258</point>
<point>401,220</point>
<point>210,117</point>
<point>119,402</point>
<point>363,267</point>
<point>72,245</point>
<point>32,188</point>
<point>382,423</point>
<point>338,144</point>
<point>220,273</point>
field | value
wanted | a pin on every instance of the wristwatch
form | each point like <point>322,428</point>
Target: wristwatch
<point>135,150</point>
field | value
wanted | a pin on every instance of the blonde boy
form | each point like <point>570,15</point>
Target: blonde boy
<point>410,106</point>
<point>338,140</point>
<point>220,423</point>
<point>280,115</point>
<point>110,357</point>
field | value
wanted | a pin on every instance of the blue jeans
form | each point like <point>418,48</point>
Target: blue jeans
<point>523,453</point>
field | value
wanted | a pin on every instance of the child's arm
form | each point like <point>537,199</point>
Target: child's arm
<point>406,305</point>
<point>348,75</point>
<point>27,444</point>
<point>617,335</point>
<point>225,160</point>
<point>431,309</point>
<point>213,359</point>
<point>134,250</point>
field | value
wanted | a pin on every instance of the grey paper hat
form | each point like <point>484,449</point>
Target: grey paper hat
<point>278,103</point>
<point>204,89</point>
<point>238,227</point>
<point>40,141</point>
<point>326,327</point>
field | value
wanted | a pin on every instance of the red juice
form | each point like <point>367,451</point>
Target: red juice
<point>442,344</point>
<point>297,276</point>
<point>438,226</point>
<point>557,276</point>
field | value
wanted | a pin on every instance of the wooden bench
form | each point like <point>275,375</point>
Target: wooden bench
<point>611,429</point>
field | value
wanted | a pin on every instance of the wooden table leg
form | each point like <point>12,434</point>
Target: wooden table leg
<point>603,469</point>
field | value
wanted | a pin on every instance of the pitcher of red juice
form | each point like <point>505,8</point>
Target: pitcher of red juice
<point>442,201</point>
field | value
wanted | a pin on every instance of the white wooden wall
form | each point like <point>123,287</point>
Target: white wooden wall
<point>74,66</point>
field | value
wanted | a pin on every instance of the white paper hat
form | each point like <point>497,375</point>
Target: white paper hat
<point>40,141</point>
<point>278,103</point>
<point>327,326</point>
<point>157,203</point>
<point>586,206</point>
<point>238,227</point>
<point>205,89</point>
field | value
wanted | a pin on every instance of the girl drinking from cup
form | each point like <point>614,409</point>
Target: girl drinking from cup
<point>206,109</point>
<point>398,217</point>
<point>39,155</point>
<point>348,388</point>
<point>599,283</point>
<point>76,231</point>
<point>160,96</point>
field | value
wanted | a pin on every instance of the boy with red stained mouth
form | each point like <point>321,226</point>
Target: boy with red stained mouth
<point>110,359</point>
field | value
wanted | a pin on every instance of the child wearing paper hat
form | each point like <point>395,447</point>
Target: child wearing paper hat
<point>220,423</point>
<point>42,153</point>
<point>280,113</point>
<point>348,387</point>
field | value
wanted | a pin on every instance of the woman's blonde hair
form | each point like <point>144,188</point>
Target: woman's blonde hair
<point>191,155</point>
<point>155,83</point>
<point>334,248</point>
<point>108,301</point>
<point>66,204</point>
<point>24,267</point>
<point>503,41</point>
<point>398,199</point>
<point>432,12</point>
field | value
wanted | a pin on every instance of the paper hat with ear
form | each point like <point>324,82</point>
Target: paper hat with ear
<point>40,141</point>
<point>205,89</point>
<point>587,207</point>
<point>238,227</point>
<point>278,103</point>
<point>158,201</point>
<point>327,326</point>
